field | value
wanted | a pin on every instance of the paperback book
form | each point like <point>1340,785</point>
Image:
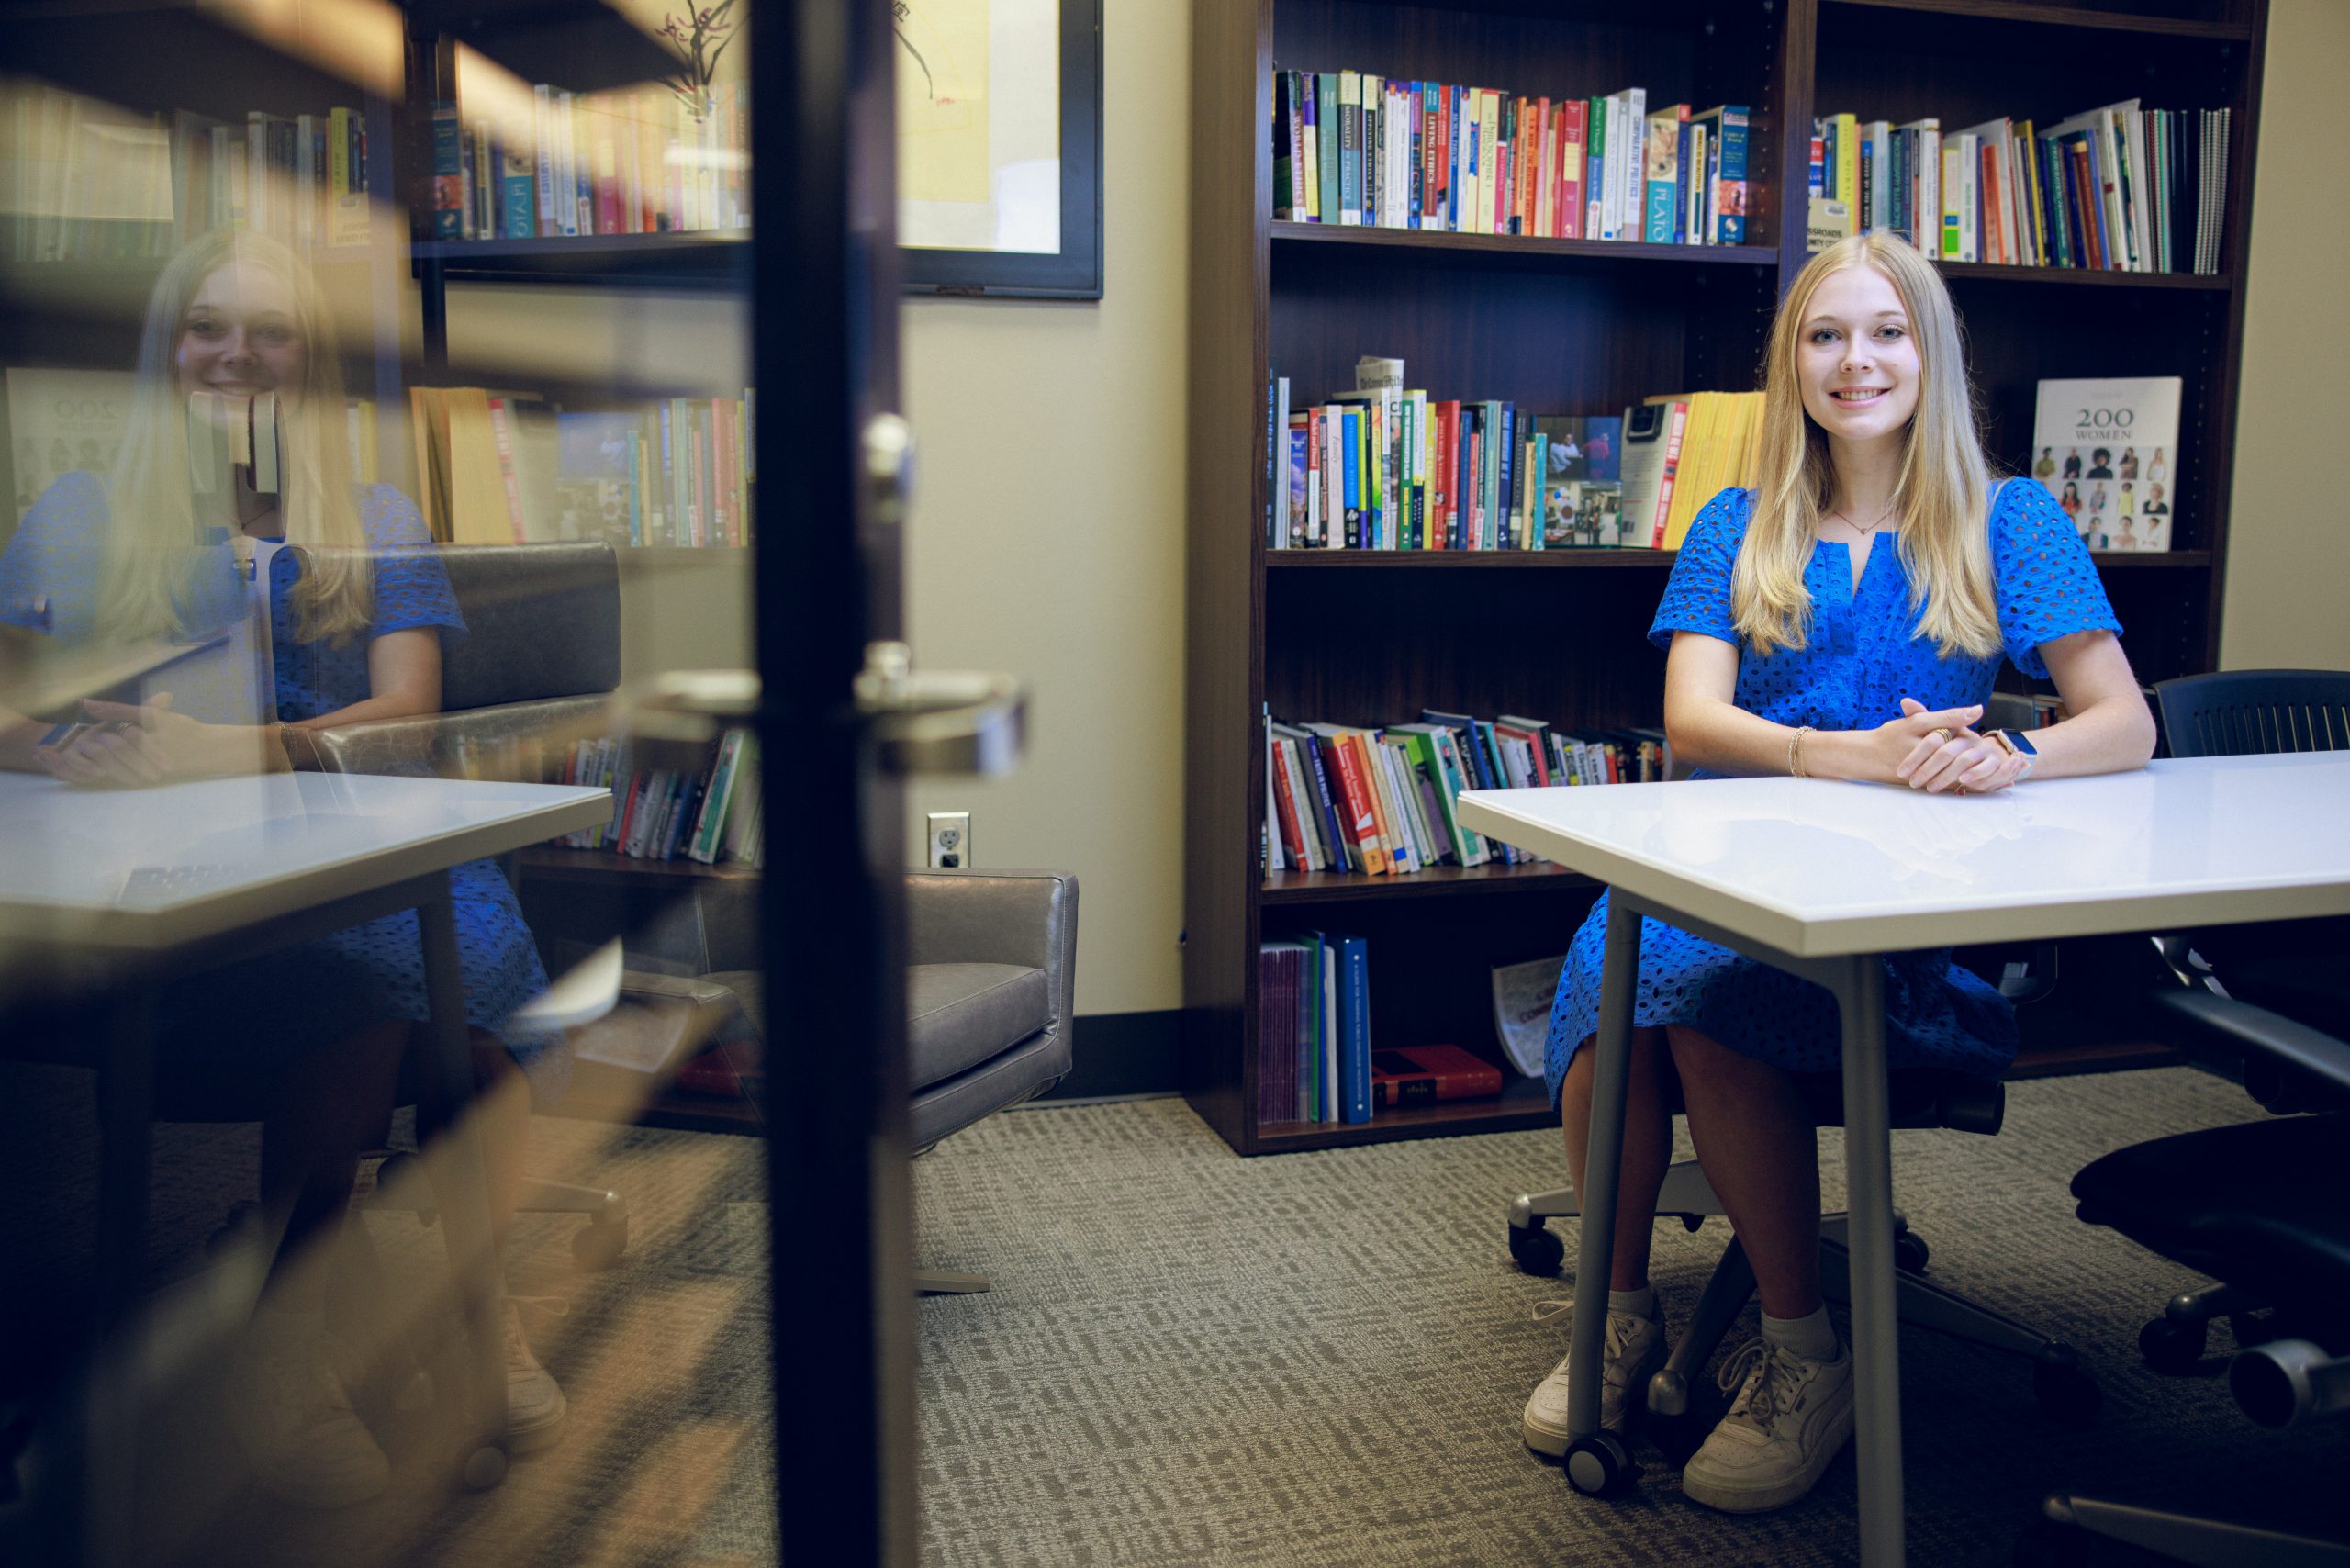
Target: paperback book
<point>2106,451</point>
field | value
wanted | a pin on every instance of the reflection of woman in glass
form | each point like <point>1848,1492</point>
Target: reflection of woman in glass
<point>356,621</point>
<point>1845,618</point>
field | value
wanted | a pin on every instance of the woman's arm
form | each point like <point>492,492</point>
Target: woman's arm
<point>2109,730</point>
<point>1706,726</point>
<point>403,681</point>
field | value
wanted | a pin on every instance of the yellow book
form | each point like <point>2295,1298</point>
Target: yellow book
<point>1848,161</point>
<point>1692,481</point>
<point>425,416</point>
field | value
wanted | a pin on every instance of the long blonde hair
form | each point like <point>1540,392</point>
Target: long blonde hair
<point>155,520</point>
<point>1941,493</point>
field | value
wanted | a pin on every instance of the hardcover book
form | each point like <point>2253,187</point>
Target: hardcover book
<point>2106,449</point>
<point>1422,1075</point>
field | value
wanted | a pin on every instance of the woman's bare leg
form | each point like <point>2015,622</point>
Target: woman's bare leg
<point>322,1110</point>
<point>1648,1145</point>
<point>1759,1148</point>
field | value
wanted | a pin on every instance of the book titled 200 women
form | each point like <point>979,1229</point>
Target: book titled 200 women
<point>2105,449</point>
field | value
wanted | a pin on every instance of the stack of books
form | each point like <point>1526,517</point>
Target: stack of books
<point>504,467</point>
<point>646,160</point>
<point>1384,802</point>
<point>1682,449</point>
<point>711,814</point>
<point>87,181</point>
<point>1315,1055</point>
<point>1356,148</point>
<point>2117,189</point>
<point>1384,468</point>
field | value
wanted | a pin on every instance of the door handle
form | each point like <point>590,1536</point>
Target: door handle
<point>940,722</point>
<point>968,722</point>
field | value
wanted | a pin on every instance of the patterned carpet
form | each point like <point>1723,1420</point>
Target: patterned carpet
<point>1314,1359</point>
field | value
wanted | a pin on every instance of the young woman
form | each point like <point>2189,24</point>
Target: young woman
<point>356,621</point>
<point>1842,620</point>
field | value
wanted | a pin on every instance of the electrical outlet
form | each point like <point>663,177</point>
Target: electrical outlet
<point>950,839</point>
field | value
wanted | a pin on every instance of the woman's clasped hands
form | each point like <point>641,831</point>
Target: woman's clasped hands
<point>128,745</point>
<point>1938,751</point>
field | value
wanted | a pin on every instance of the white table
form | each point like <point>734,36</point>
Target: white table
<point>1821,877</point>
<point>113,891</point>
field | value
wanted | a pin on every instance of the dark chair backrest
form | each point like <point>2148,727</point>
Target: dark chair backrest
<point>540,621</point>
<point>2246,712</point>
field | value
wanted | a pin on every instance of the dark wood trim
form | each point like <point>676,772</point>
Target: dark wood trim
<point>1593,559</point>
<point>1122,1053</point>
<point>1986,271</point>
<point>1523,1105</point>
<point>2055,16</point>
<point>1437,881</point>
<point>1520,245</point>
<point>2235,258</point>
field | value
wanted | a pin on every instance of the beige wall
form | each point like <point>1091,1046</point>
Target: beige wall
<point>1046,536</point>
<point>2289,550</point>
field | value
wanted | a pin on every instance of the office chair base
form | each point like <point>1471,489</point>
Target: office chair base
<point>932,1281</point>
<point>2174,1538</point>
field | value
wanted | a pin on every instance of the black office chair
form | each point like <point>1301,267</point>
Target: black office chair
<point>2259,1207</point>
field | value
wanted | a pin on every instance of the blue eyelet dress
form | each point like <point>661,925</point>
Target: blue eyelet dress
<point>1864,657</point>
<point>49,580</point>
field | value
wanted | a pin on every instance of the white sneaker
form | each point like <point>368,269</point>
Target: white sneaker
<point>1634,1351</point>
<point>294,1419</point>
<point>1791,1416</point>
<point>534,1403</point>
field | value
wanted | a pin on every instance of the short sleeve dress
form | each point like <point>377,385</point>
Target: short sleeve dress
<point>49,580</point>
<point>1864,657</point>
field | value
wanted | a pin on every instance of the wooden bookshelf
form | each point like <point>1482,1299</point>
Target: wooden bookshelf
<point>1579,326</point>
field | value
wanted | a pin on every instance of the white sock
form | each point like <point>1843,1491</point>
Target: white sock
<point>1813,1338</point>
<point>1640,1303</point>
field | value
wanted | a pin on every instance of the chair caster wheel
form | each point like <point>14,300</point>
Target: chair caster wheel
<point>599,1246</point>
<point>485,1467</point>
<point>1910,1252</point>
<point>1600,1466</point>
<point>1535,1250</point>
<point>2068,1396</point>
<point>2172,1344</point>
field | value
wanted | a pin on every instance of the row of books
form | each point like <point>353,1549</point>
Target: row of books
<point>1316,1061</point>
<point>1384,802</point>
<point>712,814</point>
<point>500,467</point>
<point>645,161</point>
<point>87,181</point>
<point>1356,148</point>
<point>2117,189</point>
<point>1384,468</point>
<point>1680,452</point>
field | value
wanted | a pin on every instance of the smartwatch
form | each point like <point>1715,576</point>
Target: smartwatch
<point>2017,743</point>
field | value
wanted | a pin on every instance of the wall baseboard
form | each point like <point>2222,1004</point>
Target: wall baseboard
<point>1120,1053</point>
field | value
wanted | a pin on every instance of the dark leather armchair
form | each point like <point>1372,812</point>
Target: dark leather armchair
<point>990,989</point>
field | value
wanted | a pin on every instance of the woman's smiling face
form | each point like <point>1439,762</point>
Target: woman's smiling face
<point>1857,362</point>
<point>240,335</point>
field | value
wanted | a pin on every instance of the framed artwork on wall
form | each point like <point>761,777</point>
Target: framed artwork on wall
<point>1000,147</point>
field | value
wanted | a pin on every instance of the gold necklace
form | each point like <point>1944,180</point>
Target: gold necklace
<point>1856,528</point>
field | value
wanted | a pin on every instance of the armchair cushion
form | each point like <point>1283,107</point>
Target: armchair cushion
<point>958,1015</point>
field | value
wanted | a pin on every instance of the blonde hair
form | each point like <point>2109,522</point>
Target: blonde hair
<point>1941,493</point>
<point>155,523</point>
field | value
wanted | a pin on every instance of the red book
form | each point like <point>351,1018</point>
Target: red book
<point>1574,140</point>
<point>1421,1075</point>
<point>1362,823</point>
<point>1291,831</point>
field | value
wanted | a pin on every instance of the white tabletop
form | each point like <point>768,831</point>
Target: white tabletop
<point>1816,867</point>
<point>154,868</point>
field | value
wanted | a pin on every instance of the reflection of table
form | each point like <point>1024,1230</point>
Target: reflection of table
<point>112,893</point>
<point>1821,879</point>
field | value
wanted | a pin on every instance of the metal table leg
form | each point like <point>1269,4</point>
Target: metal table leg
<point>466,1204</point>
<point>1868,1176</point>
<point>1611,1076</point>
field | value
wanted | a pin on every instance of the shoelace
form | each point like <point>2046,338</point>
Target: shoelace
<point>1615,1364</point>
<point>1767,1382</point>
<point>518,1355</point>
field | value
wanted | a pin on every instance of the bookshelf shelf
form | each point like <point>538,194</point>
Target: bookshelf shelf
<point>1983,272</point>
<point>2077,17</point>
<point>1522,1106</point>
<point>1594,559</point>
<point>601,865</point>
<point>1443,242</point>
<point>1437,881</point>
<point>1572,328</point>
<point>705,259</point>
